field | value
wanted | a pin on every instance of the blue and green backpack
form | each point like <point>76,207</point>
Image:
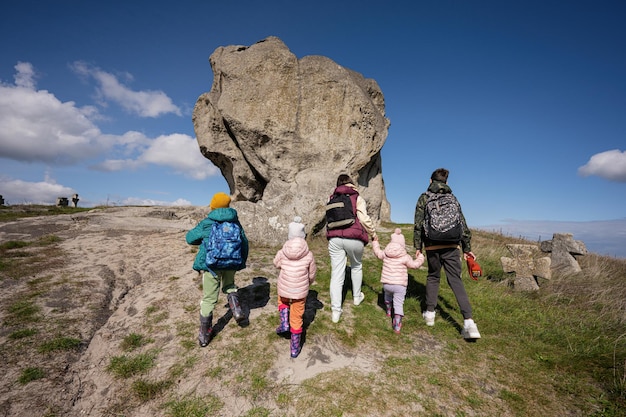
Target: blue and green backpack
<point>224,247</point>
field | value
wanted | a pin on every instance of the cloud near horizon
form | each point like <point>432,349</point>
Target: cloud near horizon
<point>610,165</point>
<point>21,192</point>
<point>605,237</point>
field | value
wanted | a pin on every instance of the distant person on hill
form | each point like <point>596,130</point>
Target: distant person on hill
<point>394,275</point>
<point>348,243</point>
<point>297,273</point>
<point>211,234</point>
<point>441,228</point>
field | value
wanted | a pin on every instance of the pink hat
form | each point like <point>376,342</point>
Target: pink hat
<point>398,237</point>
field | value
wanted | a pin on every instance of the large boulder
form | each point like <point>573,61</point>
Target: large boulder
<point>281,129</point>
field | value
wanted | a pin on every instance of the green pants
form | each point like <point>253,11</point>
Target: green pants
<point>211,289</point>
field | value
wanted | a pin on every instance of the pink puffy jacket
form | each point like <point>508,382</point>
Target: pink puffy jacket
<point>297,269</point>
<point>395,260</point>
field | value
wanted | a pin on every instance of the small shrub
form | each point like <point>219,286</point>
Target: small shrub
<point>177,370</point>
<point>48,240</point>
<point>146,390</point>
<point>21,311</point>
<point>126,366</point>
<point>22,333</point>
<point>59,343</point>
<point>258,412</point>
<point>134,341</point>
<point>30,374</point>
<point>194,407</point>
<point>14,244</point>
<point>158,318</point>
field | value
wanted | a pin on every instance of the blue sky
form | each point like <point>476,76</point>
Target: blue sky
<point>524,102</point>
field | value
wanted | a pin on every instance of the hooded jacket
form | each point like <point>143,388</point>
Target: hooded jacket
<point>203,230</point>
<point>297,269</point>
<point>396,260</point>
<point>419,238</point>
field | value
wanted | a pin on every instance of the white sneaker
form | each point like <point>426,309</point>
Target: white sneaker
<point>335,316</point>
<point>359,299</point>
<point>429,316</point>
<point>470,331</point>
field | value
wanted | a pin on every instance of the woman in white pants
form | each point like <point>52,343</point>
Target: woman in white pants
<point>346,243</point>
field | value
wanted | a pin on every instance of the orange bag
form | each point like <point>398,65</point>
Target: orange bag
<point>475,271</point>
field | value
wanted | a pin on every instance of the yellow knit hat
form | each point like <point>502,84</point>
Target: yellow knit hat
<point>220,200</point>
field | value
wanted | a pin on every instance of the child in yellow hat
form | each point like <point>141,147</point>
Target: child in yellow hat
<point>221,215</point>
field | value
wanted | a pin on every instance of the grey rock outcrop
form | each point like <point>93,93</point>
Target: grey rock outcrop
<point>281,129</point>
<point>563,251</point>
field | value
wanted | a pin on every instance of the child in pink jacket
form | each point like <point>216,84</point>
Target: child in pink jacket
<point>297,272</point>
<point>394,277</point>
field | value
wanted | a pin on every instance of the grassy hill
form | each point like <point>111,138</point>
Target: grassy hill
<point>559,351</point>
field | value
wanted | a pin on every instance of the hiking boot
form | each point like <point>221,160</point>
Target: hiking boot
<point>284,321</point>
<point>235,307</point>
<point>429,316</point>
<point>388,308</point>
<point>295,344</point>
<point>470,330</point>
<point>204,335</point>
<point>359,299</point>
<point>396,324</point>
<point>335,316</point>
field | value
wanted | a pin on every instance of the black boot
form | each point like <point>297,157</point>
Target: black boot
<point>235,308</point>
<point>206,324</point>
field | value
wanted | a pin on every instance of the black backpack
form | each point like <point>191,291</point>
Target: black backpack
<point>442,218</point>
<point>339,212</point>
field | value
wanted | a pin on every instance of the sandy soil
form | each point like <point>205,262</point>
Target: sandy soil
<point>116,265</point>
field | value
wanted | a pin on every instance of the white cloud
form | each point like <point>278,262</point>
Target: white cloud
<point>142,103</point>
<point>16,191</point>
<point>133,201</point>
<point>180,152</point>
<point>129,142</point>
<point>177,151</point>
<point>25,76</point>
<point>36,126</point>
<point>609,164</point>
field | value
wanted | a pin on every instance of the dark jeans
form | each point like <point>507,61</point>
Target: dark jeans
<point>450,260</point>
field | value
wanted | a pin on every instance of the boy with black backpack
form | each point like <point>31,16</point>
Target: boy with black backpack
<point>441,228</point>
<point>223,250</point>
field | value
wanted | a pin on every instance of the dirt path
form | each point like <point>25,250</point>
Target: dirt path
<point>126,271</point>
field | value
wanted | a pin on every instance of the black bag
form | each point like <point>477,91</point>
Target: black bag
<point>339,212</point>
<point>442,218</point>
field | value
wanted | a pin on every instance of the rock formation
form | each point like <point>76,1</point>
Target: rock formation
<point>564,249</point>
<point>281,129</point>
<point>528,265</point>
